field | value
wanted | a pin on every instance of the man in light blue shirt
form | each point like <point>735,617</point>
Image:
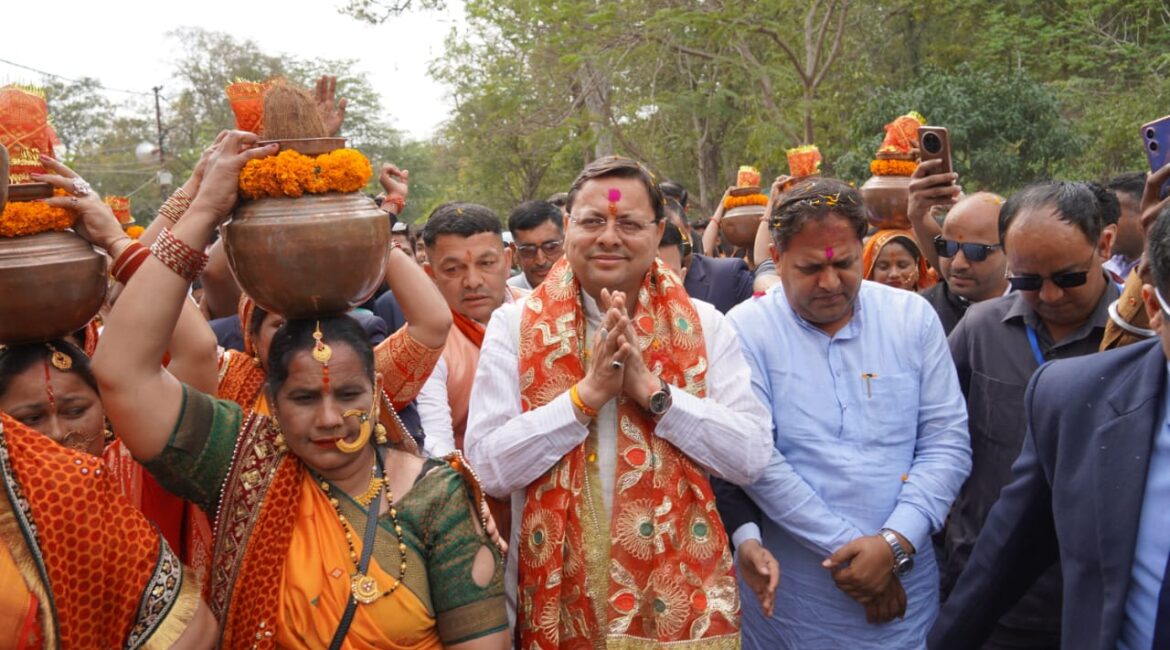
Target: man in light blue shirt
<point>870,433</point>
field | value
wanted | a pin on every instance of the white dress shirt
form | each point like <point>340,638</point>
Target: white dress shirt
<point>729,432</point>
<point>434,407</point>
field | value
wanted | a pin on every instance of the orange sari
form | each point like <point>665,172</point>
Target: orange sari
<point>315,593</point>
<point>660,572</point>
<point>94,569</point>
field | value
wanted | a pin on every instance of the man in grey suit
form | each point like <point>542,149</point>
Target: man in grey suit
<point>1091,489</point>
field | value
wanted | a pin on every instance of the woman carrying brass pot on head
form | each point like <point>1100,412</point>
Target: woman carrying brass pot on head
<point>79,565</point>
<point>329,528</point>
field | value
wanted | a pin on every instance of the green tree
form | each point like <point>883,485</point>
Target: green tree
<point>1006,130</point>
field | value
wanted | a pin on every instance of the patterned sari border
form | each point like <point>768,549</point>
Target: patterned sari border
<point>159,596</point>
<point>254,464</point>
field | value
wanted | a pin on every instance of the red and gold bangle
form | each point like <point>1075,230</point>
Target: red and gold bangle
<point>585,409</point>
<point>185,261</point>
<point>175,206</point>
<point>128,262</point>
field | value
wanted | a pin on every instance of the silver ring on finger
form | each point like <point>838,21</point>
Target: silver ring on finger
<point>602,333</point>
<point>615,364</point>
<point>80,187</point>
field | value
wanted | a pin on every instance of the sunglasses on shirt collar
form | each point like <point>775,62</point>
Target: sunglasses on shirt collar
<point>973,252</point>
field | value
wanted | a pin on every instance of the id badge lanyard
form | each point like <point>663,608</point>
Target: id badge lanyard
<point>1035,345</point>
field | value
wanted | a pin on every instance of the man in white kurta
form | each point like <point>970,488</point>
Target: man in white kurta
<point>726,432</point>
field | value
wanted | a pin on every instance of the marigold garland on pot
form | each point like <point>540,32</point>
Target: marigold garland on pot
<point>34,217</point>
<point>892,167</point>
<point>740,201</point>
<point>292,174</point>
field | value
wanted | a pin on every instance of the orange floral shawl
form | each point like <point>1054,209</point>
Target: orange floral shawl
<point>661,571</point>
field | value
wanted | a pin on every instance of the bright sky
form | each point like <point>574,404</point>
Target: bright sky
<point>123,44</point>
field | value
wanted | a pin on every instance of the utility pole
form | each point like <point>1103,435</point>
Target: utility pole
<point>158,123</point>
<point>164,178</point>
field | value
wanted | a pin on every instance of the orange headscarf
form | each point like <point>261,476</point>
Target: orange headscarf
<point>926,275</point>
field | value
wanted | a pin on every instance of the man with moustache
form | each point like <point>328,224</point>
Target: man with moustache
<point>870,439</point>
<point>537,240</point>
<point>1056,240</point>
<point>967,252</point>
<point>469,263</point>
<point>601,403</point>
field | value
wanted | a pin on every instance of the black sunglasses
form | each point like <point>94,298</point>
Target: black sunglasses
<point>1035,282</point>
<point>973,252</point>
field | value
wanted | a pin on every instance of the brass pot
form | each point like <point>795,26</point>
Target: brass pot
<point>739,225</point>
<point>311,256</point>
<point>51,285</point>
<point>886,201</point>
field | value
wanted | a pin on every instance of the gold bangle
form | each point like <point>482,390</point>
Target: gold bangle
<point>586,410</point>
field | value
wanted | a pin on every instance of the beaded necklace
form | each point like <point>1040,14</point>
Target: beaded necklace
<point>363,587</point>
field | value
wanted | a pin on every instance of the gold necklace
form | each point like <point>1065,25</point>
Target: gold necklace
<point>364,587</point>
<point>375,486</point>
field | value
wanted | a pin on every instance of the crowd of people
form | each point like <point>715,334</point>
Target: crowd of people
<point>587,425</point>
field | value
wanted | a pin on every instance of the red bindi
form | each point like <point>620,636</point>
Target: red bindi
<point>829,252</point>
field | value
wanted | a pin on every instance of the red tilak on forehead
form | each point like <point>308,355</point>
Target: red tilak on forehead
<point>615,195</point>
<point>829,252</point>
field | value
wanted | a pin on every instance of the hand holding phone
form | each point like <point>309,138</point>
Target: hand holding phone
<point>934,143</point>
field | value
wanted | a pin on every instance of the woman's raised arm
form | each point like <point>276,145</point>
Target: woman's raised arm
<point>143,399</point>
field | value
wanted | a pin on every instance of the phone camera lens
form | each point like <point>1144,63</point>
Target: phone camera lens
<point>1153,145</point>
<point>931,143</point>
<point>1150,134</point>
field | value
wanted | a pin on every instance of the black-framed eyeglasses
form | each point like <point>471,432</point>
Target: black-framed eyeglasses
<point>1066,280</point>
<point>973,252</point>
<point>549,248</point>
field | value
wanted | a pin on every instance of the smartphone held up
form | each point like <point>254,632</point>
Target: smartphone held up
<point>934,143</point>
<point>1156,139</point>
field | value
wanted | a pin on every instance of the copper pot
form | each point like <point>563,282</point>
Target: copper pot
<point>886,201</point>
<point>739,225</point>
<point>310,256</point>
<point>51,285</point>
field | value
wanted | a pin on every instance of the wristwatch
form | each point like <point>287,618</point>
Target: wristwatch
<point>660,401</point>
<point>903,561</point>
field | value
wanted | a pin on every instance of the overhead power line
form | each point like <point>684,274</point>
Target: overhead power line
<point>63,78</point>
